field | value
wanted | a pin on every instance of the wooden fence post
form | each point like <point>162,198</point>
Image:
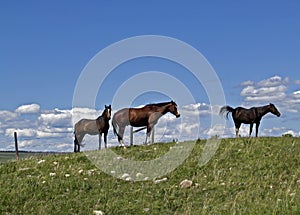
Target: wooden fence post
<point>152,135</point>
<point>131,135</point>
<point>16,145</point>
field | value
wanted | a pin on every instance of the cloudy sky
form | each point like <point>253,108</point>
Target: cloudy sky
<point>253,47</point>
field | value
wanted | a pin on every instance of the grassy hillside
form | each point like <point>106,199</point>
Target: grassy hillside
<point>10,155</point>
<point>245,176</point>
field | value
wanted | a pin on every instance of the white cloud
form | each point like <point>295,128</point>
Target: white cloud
<point>25,132</point>
<point>56,118</point>
<point>247,83</point>
<point>290,132</point>
<point>43,134</point>
<point>200,109</point>
<point>7,115</point>
<point>273,81</point>
<point>86,113</point>
<point>28,109</point>
<point>216,130</point>
<point>269,90</point>
<point>296,94</point>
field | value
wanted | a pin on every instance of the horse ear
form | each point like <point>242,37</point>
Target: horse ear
<point>106,106</point>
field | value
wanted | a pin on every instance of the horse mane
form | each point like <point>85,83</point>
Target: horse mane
<point>159,104</point>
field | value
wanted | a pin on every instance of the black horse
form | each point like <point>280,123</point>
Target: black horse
<point>146,116</point>
<point>92,127</point>
<point>248,116</point>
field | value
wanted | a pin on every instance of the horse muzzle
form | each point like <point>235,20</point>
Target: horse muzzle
<point>177,115</point>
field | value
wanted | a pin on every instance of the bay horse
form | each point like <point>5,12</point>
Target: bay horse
<point>248,116</point>
<point>146,116</point>
<point>97,126</point>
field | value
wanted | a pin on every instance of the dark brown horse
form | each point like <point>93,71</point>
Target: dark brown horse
<point>139,117</point>
<point>92,127</point>
<point>248,116</point>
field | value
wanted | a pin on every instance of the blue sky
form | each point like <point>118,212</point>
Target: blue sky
<point>253,47</point>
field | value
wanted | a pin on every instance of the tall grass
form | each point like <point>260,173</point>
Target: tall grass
<point>245,176</point>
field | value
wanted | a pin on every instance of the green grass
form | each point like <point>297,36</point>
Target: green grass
<point>245,176</point>
<point>10,155</point>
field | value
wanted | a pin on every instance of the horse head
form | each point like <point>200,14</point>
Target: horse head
<point>274,110</point>
<point>173,109</point>
<point>107,111</point>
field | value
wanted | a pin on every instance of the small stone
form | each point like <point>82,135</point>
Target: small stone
<point>186,183</point>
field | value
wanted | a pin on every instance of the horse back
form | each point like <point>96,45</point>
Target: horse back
<point>244,115</point>
<point>87,126</point>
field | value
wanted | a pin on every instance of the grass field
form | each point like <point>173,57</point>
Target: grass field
<point>245,176</point>
<point>10,156</point>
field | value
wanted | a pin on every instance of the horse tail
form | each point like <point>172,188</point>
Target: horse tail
<point>75,132</point>
<point>115,125</point>
<point>226,109</point>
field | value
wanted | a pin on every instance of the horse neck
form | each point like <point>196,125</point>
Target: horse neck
<point>261,111</point>
<point>165,109</point>
<point>162,109</point>
<point>103,116</point>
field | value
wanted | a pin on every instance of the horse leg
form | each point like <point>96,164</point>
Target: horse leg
<point>79,140</point>
<point>149,129</point>
<point>237,127</point>
<point>251,127</point>
<point>105,139</point>
<point>257,125</point>
<point>120,136</point>
<point>100,136</point>
<point>75,143</point>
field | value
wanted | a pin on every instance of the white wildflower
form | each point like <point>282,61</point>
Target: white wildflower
<point>41,161</point>
<point>160,180</point>
<point>125,175</point>
<point>139,175</point>
<point>91,172</point>
<point>98,212</point>
<point>128,179</point>
<point>67,175</point>
<point>52,174</point>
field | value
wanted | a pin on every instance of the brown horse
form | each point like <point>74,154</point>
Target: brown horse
<point>146,116</point>
<point>249,116</point>
<point>92,127</point>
